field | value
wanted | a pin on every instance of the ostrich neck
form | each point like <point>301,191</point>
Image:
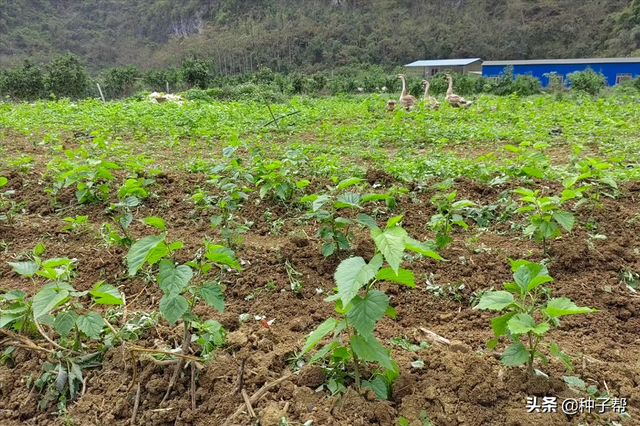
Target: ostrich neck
<point>450,89</point>
<point>404,87</point>
<point>426,91</point>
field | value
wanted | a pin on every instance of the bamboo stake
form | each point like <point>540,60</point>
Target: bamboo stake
<point>100,90</point>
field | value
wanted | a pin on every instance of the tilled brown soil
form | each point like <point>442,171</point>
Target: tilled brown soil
<point>460,384</point>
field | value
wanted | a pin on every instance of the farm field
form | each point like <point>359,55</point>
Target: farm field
<point>139,239</point>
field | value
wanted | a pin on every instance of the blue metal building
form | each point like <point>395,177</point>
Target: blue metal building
<point>615,70</point>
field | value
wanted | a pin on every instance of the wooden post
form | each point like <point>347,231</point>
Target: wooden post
<point>100,90</point>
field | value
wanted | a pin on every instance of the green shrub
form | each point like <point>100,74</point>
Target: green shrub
<point>587,81</point>
<point>120,82</point>
<point>264,76</point>
<point>25,83</point>
<point>197,95</point>
<point>67,77</point>
<point>464,84</point>
<point>343,84</point>
<point>196,73</point>
<point>438,85</point>
<point>157,80</point>
<point>296,83</point>
<point>556,84</point>
<point>525,85</point>
<point>317,83</point>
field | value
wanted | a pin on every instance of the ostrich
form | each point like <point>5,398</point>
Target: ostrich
<point>429,100</point>
<point>406,100</point>
<point>456,100</point>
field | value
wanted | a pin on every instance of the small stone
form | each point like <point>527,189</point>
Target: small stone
<point>237,339</point>
<point>311,376</point>
<point>265,345</point>
<point>430,393</point>
<point>458,346</point>
<point>272,414</point>
<point>402,386</point>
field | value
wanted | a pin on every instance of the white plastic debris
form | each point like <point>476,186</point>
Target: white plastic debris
<point>158,98</point>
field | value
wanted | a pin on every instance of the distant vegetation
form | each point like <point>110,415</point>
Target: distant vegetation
<point>67,77</point>
<point>315,35</point>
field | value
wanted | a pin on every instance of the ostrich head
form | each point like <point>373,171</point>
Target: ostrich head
<point>400,76</point>
<point>425,83</point>
<point>448,77</point>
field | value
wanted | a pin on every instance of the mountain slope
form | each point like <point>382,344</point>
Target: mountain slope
<point>240,35</point>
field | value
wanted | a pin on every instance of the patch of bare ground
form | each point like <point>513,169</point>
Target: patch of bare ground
<point>463,384</point>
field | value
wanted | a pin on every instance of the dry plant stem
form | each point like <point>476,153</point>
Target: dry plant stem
<point>55,345</point>
<point>185,346</point>
<point>193,387</point>
<point>84,383</point>
<point>113,330</point>
<point>158,351</point>
<point>139,294</point>
<point>134,365</point>
<point>37,348</point>
<point>256,397</point>
<point>247,402</point>
<point>22,404</point>
<point>26,342</point>
<point>434,338</point>
<point>340,400</point>
<point>136,404</point>
<point>241,376</point>
<point>124,310</point>
<point>134,349</point>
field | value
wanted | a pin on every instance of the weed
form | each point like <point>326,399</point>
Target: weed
<point>630,279</point>
<point>294,282</point>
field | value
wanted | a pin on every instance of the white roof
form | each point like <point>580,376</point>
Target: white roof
<point>444,62</point>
